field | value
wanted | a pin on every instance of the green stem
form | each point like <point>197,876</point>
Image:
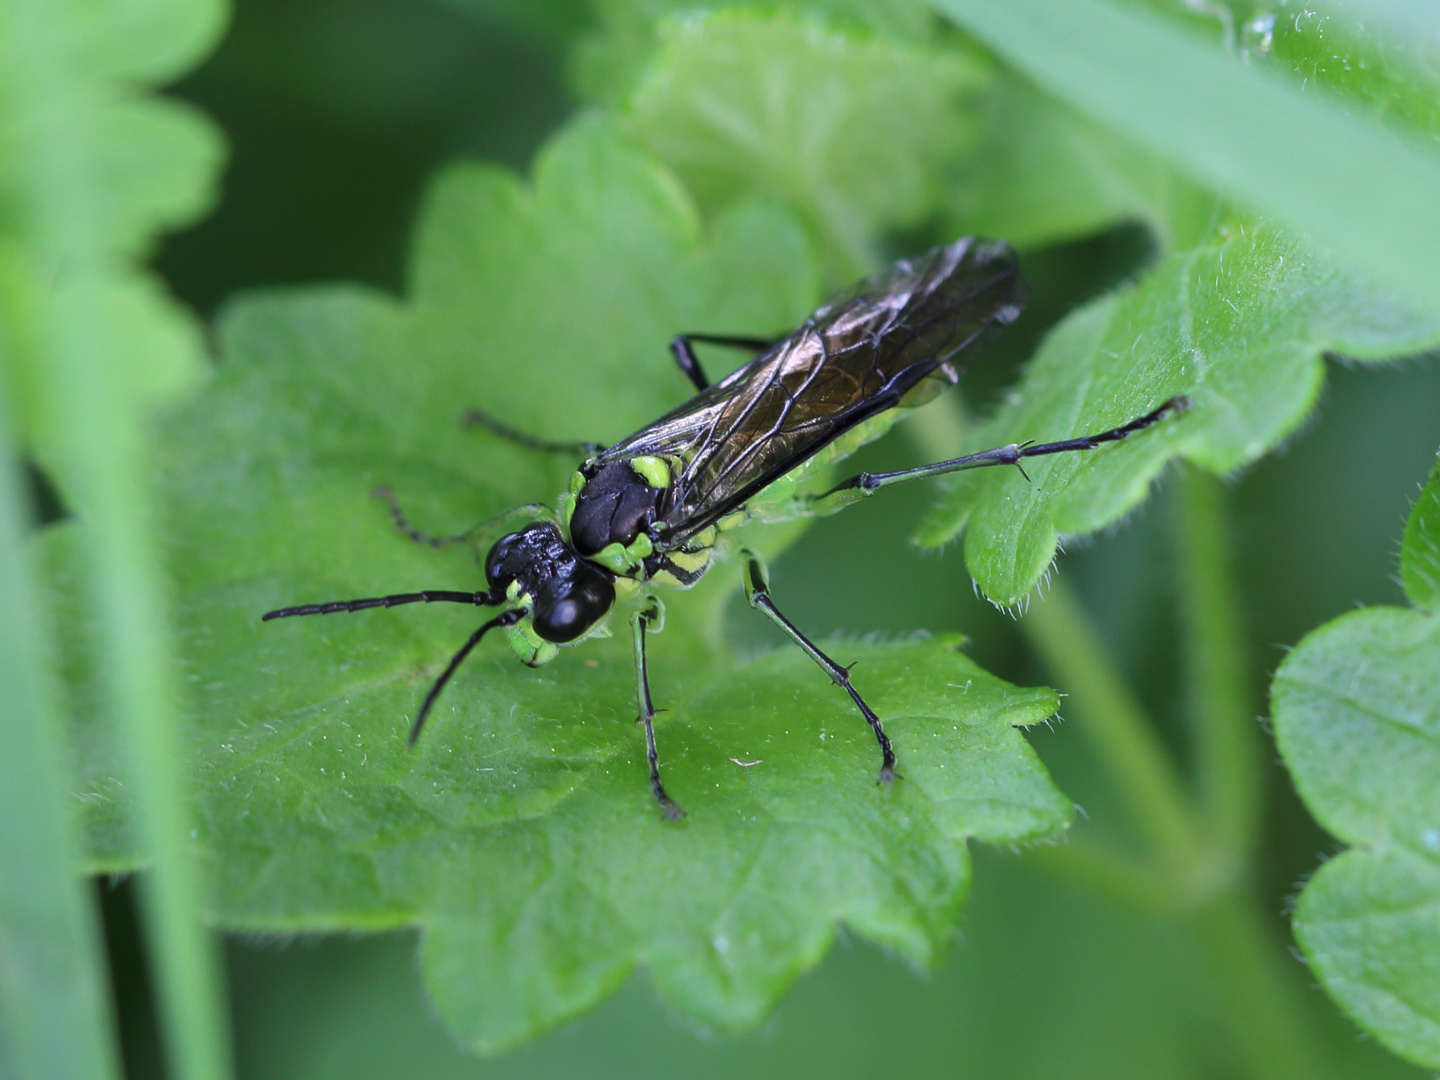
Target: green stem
<point>1114,720</point>
<point>1106,872</point>
<point>1226,748</point>
<point>1267,1020</point>
<point>1267,1016</point>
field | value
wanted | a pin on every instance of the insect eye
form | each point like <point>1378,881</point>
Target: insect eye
<point>565,617</point>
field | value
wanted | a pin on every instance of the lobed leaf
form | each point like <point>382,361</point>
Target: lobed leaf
<point>607,61</point>
<point>521,834</point>
<point>1042,173</point>
<point>154,161</point>
<point>1420,552</point>
<point>852,132</point>
<point>1239,322</point>
<point>1357,718</point>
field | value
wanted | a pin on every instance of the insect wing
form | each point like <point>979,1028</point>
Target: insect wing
<point>855,357</point>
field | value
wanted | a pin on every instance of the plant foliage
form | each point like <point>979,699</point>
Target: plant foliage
<point>521,834</point>
<point>734,166</point>
<point>1357,716</point>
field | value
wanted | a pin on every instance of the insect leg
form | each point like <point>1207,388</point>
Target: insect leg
<point>857,487</point>
<point>480,418</point>
<point>403,523</point>
<point>639,627</point>
<point>683,349</point>
<point>757,591</point>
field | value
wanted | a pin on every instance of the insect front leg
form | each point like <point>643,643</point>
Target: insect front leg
<point>858,487</point>
<point>757,591</point>
<point>640,622</point>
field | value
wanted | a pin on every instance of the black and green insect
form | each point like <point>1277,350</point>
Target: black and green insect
<point>655,508</point>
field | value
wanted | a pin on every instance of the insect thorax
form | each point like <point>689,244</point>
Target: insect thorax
<point>614,517</point>
<point>614,506</point>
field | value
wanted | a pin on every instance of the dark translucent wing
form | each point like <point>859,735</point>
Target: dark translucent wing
<point>854,358</point>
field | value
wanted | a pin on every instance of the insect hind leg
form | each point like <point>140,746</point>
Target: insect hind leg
<point>682,347</point>
<point>857,487</point>
<point>757,591</point>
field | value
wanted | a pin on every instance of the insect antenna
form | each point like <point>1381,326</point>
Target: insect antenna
<point>509,618</point>
<point>430,596</point>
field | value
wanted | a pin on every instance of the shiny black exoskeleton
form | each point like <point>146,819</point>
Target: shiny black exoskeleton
<point>570,594</point>
<point>612,508</point>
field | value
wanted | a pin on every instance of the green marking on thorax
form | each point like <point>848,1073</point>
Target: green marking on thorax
<point>565,505</point>
<point>655,471</point>
<point>627,558</point>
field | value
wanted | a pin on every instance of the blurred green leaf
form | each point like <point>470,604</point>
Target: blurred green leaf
<point>1357,717</point>
<point>851,131</point>
<point>1240,322</point>
<point>521,835</point>
<point>156,163</point>
<point>1335,44</point>
<point>53,1023</point>
<point>1420,554</point>
<point>1042,173</point>
<point>608,60</point>
<point>547,19</point>
<point>1045,172</point>
<point>1303,160</point>
<point>93,166</point>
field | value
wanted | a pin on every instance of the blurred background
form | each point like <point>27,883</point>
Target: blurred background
<point>337,112</point>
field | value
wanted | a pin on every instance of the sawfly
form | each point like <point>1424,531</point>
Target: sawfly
<point>652,509</point>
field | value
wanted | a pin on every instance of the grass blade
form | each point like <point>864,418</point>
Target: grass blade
<point>52,981</point>
<point>1344,182</point>
<point>83,322</point>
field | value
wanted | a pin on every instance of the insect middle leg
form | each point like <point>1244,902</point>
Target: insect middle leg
<point>757,591</point>
<point>404,525</point>
<point>683,349</point>
<point>480,418</point>
<point>863,484</point>
<point>640,622</point>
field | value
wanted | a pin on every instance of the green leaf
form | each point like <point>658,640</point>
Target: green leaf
<point>1336,45</point>
<point>1420,554</point>
<point>52,1023</point>
<point>1357,718</point>
<point>521,834</point>
<point>1299,158</point>
<point>852,132</point>
<point>154,161</point>
<point>553,20</point>
<point>1042,173</point>
<point>607,62</point>
<point>93,167</point>
<point>1239,322</point>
